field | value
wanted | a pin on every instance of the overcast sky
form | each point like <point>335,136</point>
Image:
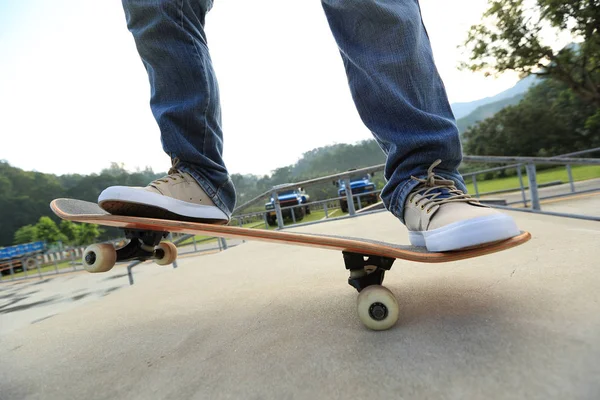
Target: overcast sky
<point>74,94</point>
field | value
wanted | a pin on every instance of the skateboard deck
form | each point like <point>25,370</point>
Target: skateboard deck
<point>367,260</point>
<point>83,211</point>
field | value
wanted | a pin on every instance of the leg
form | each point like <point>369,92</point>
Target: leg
<point>402,100</point>
<point>171,41</point>
<point>397,90</point>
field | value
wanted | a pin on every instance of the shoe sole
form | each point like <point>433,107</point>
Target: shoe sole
<point>467,233</point>
<point>123,200</point>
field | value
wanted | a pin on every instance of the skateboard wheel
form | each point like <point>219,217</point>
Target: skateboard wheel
<point>377,308</point>
<point>169,251</point>
<point>99,257</point>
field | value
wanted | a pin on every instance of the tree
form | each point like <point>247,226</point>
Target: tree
<point>25,234</point>
<point>550,120</point>
<point>87,233</point>
<point>70,230</point>
<point>48,231</point>
<point>517,35</point>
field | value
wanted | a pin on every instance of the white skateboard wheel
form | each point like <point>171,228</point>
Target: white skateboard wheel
<point>99,257</point>
<point>377,308</point>
<point>170,253</point>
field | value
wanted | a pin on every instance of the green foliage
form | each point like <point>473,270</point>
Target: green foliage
<point>70,230</point>
<point>592,124</point>
<point>87,234</point>
<point>25,234</point>
<point>516,35</point>
<point>550,120</point>
<point>25,195</point>
<point>79,234</point>
<point>69,233</point>
<point>48,231</point>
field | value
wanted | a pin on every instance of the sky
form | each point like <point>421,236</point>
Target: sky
<point>74,95</point>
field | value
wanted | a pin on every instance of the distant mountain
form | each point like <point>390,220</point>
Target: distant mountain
<point>486,111</point>
<point>463,109</point>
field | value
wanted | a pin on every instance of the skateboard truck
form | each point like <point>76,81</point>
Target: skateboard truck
<point>366,270</point>
<point>142,245</point>
<point>377,307</point>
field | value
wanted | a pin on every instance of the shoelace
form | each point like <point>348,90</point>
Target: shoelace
<point>435,186</point>
<point>173,174</point>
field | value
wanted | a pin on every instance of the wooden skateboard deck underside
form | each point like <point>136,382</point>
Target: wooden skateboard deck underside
<point>83,211</point>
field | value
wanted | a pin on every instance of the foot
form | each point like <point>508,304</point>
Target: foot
<point>442,218</point>
<point>175,196</point>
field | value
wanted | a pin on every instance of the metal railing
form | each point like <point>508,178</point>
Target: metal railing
<point>328,206</point>
<point>518,163</point>
<point>529,163</point>
<point>329,178</point>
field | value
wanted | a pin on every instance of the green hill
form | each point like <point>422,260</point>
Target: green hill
<point>486,111</point>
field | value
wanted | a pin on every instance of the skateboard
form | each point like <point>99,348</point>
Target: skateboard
<point>366,260</point>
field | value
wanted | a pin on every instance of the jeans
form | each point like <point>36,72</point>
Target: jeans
<point>389,64</point>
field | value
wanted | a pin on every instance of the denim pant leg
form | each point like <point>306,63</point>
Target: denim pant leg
<point>171,42</point>
<point>397,90</point>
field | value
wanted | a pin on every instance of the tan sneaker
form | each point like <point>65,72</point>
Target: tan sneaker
<point>174,196</point>
<point>442,218</point>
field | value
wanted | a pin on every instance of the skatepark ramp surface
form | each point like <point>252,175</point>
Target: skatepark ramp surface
<point>270,321</point>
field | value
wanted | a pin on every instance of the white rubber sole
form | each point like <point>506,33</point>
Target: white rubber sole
<point>467,233</point>
<point>140,196</point>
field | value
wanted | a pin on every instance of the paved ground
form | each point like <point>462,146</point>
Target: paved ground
<point>586,204</point>
<point>33,300</point>
<point>266,321</point>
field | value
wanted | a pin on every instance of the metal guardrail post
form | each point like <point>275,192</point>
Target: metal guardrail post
<point>224,243</point>
<point>475,186</point>
<point>278,210</point>
<point>130,272</point>
<point>349,198</point>
<point>570,174</point>
<point>37,265</point>
<point>54,260</point>
<point>12,270</point>
<point>72,254</point>
<point>325,209</point>
<point>533,189</point>
<point>523,195</point>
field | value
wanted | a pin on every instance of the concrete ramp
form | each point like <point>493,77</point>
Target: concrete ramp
<point>265,321</point>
